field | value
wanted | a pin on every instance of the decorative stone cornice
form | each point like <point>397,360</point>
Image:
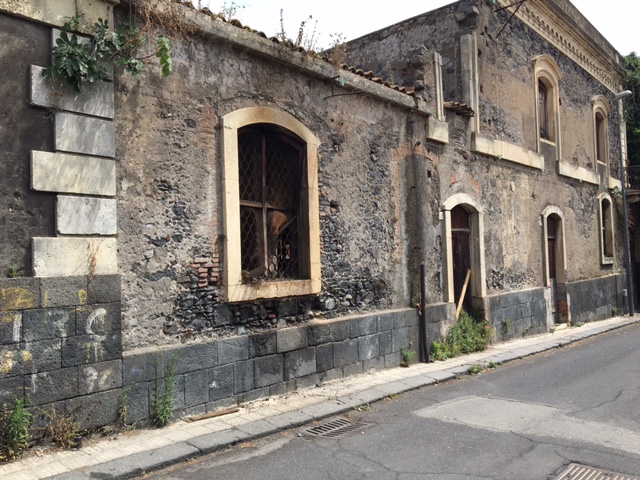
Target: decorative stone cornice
<point>572,40</point>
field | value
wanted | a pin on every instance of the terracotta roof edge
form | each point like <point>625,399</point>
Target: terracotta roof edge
<point>222,30</point>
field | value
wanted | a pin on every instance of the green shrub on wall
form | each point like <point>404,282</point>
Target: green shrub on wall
<point>78,62</point>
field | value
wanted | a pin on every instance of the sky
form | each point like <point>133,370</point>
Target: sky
<point>615,19</point>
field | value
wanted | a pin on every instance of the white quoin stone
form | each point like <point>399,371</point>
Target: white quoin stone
<point>86,216</point>
<point>62,256</point>
<point>88,135</point>
<point>95,99</point>
<point>64,173</point>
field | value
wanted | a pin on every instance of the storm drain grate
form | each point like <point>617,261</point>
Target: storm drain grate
<point>582,472</point>
<point>335,428</point>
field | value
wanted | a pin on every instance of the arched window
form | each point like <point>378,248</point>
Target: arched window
<point>271,208</point>
<point>547,78</point>
<point>601,153</point>
<point>601,130</point>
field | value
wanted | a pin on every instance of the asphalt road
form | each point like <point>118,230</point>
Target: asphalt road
<point>525,420</point>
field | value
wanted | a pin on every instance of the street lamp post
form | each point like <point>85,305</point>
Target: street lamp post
<point>627,252</point>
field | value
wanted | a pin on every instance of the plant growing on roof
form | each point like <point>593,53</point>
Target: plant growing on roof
<point>78,61</point>
<point>309,39</point>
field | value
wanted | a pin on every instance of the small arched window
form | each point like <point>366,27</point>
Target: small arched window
<point>601,129</point>
<point>547,80</point>
<point>601,154</point>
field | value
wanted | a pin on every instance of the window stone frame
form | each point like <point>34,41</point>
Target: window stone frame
<point>234,289</point>
<point>600,105</point>
<point>546,70</point>
<point>477,282</point>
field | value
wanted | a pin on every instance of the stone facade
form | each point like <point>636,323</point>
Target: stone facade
<point>138,250</point>
<point>61,345</point>
<point>242,368</point>
<point>496,158</point>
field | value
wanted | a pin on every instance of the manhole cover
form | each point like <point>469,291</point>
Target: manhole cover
<point>335,428</point>
<point>582,472</point>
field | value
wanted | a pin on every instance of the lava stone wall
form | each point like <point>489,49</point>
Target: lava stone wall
<point>390,52</point>
<point>518,314</point>
<point>170,203</point>
<point>61,346</point>
<point>512,196</point>
<point>230,371</point>
<point>23,213</point>
<point>597,298</point>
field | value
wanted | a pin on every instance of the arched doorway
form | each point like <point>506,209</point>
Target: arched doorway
<point>552,244</point>
<point>460,238</point>
<point>464,251</point>
<point>554,264</point>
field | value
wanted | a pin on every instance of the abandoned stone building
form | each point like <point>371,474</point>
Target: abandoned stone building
<point>258,218</point>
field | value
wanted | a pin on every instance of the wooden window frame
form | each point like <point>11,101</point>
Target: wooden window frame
<point>543,111</point>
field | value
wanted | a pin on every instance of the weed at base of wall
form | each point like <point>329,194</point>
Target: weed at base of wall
<point>14,430</point>
<point>61,428</point>
<point>407,355</point>
<point>164,402</point>
<point>466,336</point>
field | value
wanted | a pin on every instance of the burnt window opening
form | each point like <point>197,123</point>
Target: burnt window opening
<point>270,164</point>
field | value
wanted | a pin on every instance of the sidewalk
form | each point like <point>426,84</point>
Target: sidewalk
<point>144,450</point>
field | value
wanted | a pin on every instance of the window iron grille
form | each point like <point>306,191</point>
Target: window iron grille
<point>270,180</point>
